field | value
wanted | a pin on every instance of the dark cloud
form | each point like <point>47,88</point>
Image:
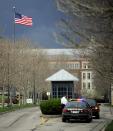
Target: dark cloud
<point>45,16</point>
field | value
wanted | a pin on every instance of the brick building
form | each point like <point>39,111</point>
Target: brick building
<point>74,62</point>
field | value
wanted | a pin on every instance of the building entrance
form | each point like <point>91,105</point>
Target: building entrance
<point>60,89</point>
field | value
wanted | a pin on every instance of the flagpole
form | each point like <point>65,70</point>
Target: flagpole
<point>9,91</point>
<point>14,24</point>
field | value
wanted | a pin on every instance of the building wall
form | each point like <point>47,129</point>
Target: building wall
<point>80,68</point>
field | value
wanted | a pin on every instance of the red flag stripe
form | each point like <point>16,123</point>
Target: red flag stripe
<point>24,20</point>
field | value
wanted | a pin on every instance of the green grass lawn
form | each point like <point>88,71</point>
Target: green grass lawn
<point>1,97</point>
<point>15,107</point>
<point>109,127</point>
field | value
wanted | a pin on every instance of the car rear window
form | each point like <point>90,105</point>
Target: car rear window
<point>91,102</point>
<point>76,105</point>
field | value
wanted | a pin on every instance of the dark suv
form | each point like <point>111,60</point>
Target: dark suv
<point>95,107</point>
<point>77,109</point>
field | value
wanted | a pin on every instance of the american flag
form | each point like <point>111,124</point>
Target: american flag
<point>24,20</point>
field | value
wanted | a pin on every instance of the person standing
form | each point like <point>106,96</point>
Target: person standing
<point>63,101</point>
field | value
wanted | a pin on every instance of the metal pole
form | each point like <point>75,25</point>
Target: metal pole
<point>14,25</point>
<point>8,94</point>
<point>34,92</point>
<point>9,91</point>
<point>34,101</point>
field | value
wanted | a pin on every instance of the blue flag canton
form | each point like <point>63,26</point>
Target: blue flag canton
<point>23,20</point>
<point>17,15</point>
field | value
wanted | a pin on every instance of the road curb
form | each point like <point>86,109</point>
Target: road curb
<point>50,116</point>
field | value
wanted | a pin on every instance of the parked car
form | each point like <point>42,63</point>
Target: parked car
<point>95,107</point>
<point>77,109</point>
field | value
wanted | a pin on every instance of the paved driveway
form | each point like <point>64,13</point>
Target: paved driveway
<point>55,124</point>
<point>21,120</point>
<point>30,120</point>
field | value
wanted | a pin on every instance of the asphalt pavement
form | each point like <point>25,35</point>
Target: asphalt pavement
<point>55,124</point>
<point>31,120</point>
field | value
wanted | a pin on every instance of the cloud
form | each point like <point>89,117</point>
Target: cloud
<point>42,36</point>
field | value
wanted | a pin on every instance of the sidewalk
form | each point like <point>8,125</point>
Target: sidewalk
<point>107,113</point>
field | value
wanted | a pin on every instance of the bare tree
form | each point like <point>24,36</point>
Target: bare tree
<point>22,68</point>
<point>3,69</point>
<point>92,23</point>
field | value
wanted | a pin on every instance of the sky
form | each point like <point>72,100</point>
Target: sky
<point>45,19</point>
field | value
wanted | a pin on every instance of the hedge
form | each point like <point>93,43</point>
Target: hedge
<point>51,107</point>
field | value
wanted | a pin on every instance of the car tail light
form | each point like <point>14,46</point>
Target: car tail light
<point>97,108</point>
<point>65,110</point>
<point>84,111</point>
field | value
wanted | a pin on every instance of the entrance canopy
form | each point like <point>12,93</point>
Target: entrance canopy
<point>62,75</point>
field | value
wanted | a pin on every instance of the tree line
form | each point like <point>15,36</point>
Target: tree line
<point>23,69</point>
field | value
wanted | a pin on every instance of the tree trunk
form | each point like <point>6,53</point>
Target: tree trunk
<point>3,100</point>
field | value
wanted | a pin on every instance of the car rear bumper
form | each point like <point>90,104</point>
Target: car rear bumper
<point>76,116</point>
<point>95,113</point>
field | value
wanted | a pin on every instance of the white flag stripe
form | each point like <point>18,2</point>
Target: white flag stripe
<point>24,20</point>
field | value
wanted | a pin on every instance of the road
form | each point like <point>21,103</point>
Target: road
<point>56,124</point>
<point>21,120</point>
<point>30,120</point>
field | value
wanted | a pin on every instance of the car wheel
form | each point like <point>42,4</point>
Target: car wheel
<point>63,119</point>
<point>89,120</point>
<point>97,116</point>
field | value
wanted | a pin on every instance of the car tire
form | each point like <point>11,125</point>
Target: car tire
<point>63,119</point>
<point>97,116</point>
<point>89,120</point>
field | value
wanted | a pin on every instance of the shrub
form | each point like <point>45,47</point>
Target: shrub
<point>51,107</point>
<point>15,101</point>
<point>7,100</point>
<point>109,127</point>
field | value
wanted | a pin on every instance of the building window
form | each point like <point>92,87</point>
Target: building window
<point>89,66</point>
<point>60,89</point>
<point>88,75</point>
<point>73,66</point>
<point>89,85</point>
<point>77,65</point>
<point>84,85</point>
<point>84,76</point>
<point>67,66</point>
<point>86,65</point>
